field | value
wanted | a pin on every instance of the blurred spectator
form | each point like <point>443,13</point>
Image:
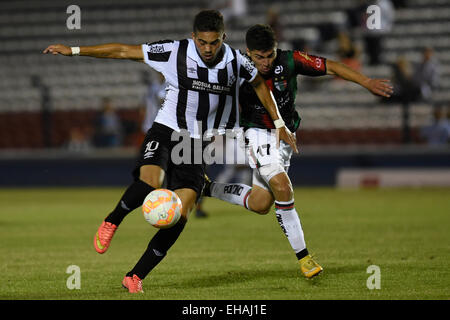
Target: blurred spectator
<point>232,10</point>
<point>405,88</point>
<point>405,92</point>
<point>374,37</point>
<point>329,30</point>
<point>438,133</point>
<point>347,52</point>
<point>426,75</point>
<point>153,100</point>
<point>400,3</point>
<point>356,14</point>
<point>108,126</point>
<point>273,20</point>
<point>78,141</point>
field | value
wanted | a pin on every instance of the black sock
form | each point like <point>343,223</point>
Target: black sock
<point>302,254</point>
<point>132,198</point>
<point>157,249</point>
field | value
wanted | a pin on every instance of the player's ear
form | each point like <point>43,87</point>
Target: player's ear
<point>248,52</point>
<point>193,35</point>
<point>224,36</point>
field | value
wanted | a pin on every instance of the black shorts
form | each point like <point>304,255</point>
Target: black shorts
<point>157,150</point>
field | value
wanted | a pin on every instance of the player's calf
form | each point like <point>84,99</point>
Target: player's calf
<point>260,200</point>
<point>253,198</point>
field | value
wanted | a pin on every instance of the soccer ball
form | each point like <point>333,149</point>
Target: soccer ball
<point>162,208</point>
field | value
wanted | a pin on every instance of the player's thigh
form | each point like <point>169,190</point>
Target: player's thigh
<point>154,156</point>
<point>270,162</point>
<point>279,182</point>
<point>188,199</point>
<point>261,148</point>
<point>187,177</point>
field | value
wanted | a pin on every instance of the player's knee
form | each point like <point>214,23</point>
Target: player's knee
<point>151,181</point>
<point>260,206</point>
<point>283,189</point>
<point>151,177</point>
<point>262,210</point>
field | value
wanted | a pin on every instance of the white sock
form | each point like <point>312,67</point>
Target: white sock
<point>290,224</point>
<point>235,193</point>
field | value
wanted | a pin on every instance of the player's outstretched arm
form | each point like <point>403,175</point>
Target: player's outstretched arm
<point>268,101</point>
<point>109,50</point>
<point>380,87</point>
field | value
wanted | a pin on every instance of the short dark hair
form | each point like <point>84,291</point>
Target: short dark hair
<point>209,20</point>
<point>260,37</point>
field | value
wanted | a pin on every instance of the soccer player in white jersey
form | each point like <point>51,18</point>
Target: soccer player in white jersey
<point>271,184</point>
<point>203,76</point>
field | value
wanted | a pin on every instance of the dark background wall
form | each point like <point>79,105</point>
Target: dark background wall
<point>114,169</point>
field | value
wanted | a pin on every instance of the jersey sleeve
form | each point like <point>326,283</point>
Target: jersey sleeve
<point>309,65</point>
<point>247,70</point>
<point>157,54</point>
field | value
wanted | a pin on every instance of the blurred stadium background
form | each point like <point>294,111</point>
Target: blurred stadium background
<point>49,106</point>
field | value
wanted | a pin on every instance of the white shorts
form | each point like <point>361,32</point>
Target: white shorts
<point>264,157</point>
<point>235,150</point>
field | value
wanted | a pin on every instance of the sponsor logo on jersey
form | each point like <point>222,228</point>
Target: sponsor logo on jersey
<point>249,65</point>
<point>278,69</point>
<point>280,85</point>
<point>215,88</point>
<point>192,70</point>
<point>156,48</point>
<point>305,55</point>
<point>231,80</point>
<point>318,63</point>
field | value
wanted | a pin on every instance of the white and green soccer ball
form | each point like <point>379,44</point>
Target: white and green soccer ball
<point>162,208</point>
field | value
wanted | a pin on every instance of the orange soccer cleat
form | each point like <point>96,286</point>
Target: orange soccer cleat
<point>133,284</point>
<point>103,237</point>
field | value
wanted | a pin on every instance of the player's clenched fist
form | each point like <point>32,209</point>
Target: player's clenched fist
<point>58,49</point>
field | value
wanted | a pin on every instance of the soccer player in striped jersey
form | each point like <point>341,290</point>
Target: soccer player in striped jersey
<point>204,76</point>
<point>271,183</point>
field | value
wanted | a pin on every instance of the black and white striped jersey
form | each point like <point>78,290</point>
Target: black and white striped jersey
<point>198,99</point>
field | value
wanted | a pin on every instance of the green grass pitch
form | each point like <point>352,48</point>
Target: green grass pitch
<point>232,254</point>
